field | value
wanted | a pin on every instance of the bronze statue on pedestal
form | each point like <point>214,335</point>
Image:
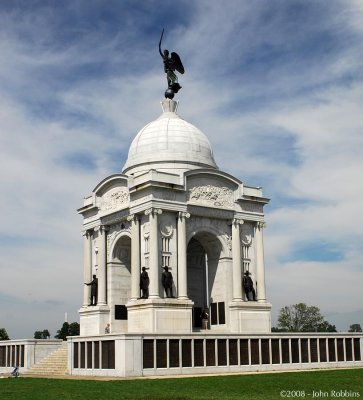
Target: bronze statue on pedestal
<point>172,63</point>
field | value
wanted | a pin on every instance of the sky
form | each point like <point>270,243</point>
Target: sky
<point>277,86</point>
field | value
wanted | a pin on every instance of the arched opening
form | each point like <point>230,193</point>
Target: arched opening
<point>121,253</point>
<point>119,282</point>
<point>206,280</point>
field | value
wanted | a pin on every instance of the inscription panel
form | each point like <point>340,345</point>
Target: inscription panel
<point>244,352</point>
<point>255,351</point>
<point>148,353</point>
<point>265,351</point>
<point>222,351</point>
<point>357,355</point>
<point>75,355</point>
<point>285,351</point>
<point>304,351</point>
<point>174,353</point>
<point>210,352</point>
<point>89,354</point>
<point>186,353</point>
<point>96,355</point>
<point>83,354</point>
<point>198,353</point>
<point>340,348</point>
<point>331,349</point>
<point>275,349</point>
<point>295,350</point>
<point>108,354</point>
<point>348,349</point>
<point>161,355</point>
<point>314,350</point>
<point>233,352</point>
<point>322,350</point>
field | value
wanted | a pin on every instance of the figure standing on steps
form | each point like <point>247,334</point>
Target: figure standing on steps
<point>172,63</point>
<point>205,318</point>
<point>144,283</point>
<point>248,286</point>
<point>167,281</point>
<point>94,286</point>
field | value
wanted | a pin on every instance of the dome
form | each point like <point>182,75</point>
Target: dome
<point>169,143</point>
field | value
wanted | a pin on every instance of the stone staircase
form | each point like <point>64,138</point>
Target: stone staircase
<point>54,364</point>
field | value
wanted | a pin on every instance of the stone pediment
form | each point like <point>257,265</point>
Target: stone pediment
<point>112,194</point>
<point>211,190</point>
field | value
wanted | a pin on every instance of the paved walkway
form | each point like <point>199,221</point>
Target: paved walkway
<point>130,378</point>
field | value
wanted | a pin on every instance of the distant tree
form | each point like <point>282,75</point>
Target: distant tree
<point>63,332</point>
<point>274,329</point>
<point>38,335</point>
<point>44,334</point>
<point>73,329</point>
<point>326,327</point>
<point>68,330</point>
<point>302,318</point>
<point>3,334</point>
<point>355,328</point>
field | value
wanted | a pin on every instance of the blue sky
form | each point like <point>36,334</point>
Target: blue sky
<point>276,86</point>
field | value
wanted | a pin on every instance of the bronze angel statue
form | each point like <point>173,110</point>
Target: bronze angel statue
<point>172,63</point>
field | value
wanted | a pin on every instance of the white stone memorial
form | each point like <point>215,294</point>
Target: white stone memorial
<point>171,206</point>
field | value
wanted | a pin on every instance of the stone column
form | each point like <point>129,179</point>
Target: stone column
<point>154,253</point>
<point>182,256</point>
<point>102,265</point>
<point>236,260</point>
<point>135,256</point>
<point>260,265</point>
<point>87,266</point>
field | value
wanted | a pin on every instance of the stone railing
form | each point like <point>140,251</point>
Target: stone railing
<point>151,354</point>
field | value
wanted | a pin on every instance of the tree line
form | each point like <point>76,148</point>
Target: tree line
<point>303,318</point>
<point>67,329</point>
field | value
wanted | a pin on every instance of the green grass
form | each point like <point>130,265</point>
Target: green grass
<point>254,387</point>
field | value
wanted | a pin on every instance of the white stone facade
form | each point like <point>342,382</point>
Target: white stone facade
<point>172,207</point>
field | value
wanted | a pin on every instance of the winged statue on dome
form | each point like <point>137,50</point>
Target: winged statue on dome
<point>172,63</point>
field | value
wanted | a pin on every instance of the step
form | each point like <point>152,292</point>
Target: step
<point>55,363</point>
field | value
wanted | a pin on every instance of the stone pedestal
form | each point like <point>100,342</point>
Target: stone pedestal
<point>93,319</point>
<point>250,317</point>
<point>160,316</point>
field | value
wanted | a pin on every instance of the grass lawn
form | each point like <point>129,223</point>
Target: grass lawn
<point>331,384</point>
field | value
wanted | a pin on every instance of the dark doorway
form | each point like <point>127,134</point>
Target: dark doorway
<point>203,254</point>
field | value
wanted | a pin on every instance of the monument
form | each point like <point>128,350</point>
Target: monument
<point>174,274</point>
<point>171,209</point>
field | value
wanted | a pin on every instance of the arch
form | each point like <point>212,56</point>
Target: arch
<point>112,180</point>
<point>115,242</point>
<point>119,271</point>
<point>121,252</point>
<point>208,229</point>
<point>206,273</point>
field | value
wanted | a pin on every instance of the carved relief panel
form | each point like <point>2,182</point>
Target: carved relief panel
<point>211,191</point>
<point>211,195</point>
<point>114,199</point>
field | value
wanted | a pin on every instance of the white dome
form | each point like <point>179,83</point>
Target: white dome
<point>169,143</point>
